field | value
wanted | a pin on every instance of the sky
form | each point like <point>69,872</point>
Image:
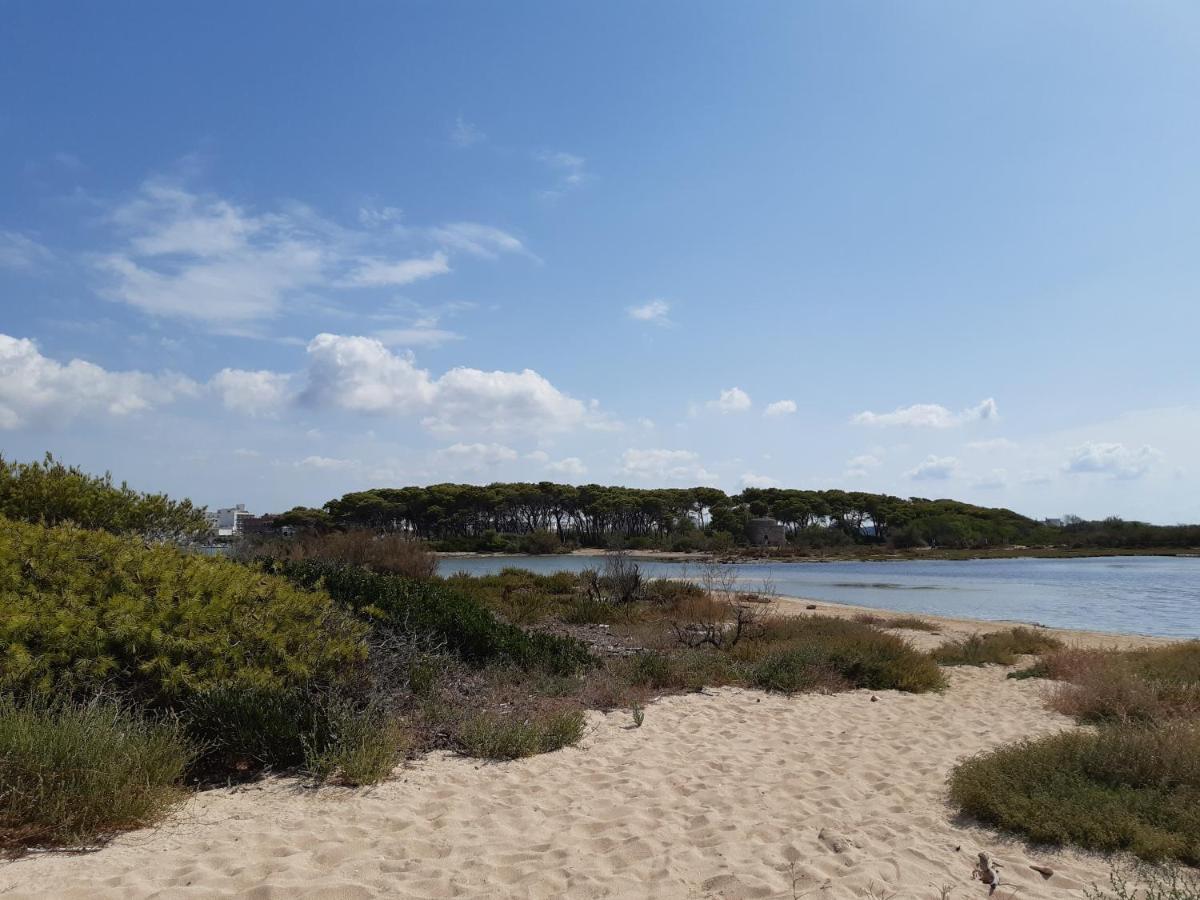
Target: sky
<point>269,253</point>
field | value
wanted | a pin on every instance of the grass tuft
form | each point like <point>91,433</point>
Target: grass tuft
<point>493,735</point>
<point>74,774</point>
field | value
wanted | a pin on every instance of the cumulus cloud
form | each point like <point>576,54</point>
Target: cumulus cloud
<point>656,311</point>
<point>1112,459</point>
<point>929,415</point>
<point>475,457</point>
<point>252,393</point>
<point>360,374</point>
<point>665,465</point>
<point>780,408</point>
<point>734,400</point>
<point>751,480</point>
<point>20,252</point>
<point>934,468</point>
<point>37,390</point>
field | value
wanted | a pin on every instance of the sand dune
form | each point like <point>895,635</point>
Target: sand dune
<point>725,794</point>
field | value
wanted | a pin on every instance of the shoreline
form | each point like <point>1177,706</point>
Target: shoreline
<point>728,558</point>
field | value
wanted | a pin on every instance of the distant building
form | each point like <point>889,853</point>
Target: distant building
<point>766,532</point>
<point>228,522</point>
<point>1053,523</point>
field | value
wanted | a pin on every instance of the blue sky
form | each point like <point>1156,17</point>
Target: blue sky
<point>274,252</point>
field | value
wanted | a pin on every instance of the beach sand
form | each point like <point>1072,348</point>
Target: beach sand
<point>723,794</point>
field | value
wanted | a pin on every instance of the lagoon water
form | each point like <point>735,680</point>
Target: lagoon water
<point>1154,595</point>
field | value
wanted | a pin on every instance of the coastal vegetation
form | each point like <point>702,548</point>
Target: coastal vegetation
<point>546,517</point>
<point>1131,784</point>
<point>997,647</point>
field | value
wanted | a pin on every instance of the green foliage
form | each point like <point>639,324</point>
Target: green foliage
<point>82,611</point>
<point>1120,788</point>
<point>75,774</point>
<point>435,613</point>
<point>803,652</point>
<point>52,494</point>
<point>491,735</point>
<point>999,647</point>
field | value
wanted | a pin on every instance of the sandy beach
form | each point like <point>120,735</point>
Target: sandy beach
<point>723,794</point>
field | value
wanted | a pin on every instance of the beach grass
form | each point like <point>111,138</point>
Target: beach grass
<point>995,647</point>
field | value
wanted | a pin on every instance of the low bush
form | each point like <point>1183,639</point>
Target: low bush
<point>1150,685</point>
<point>820,649</point>
<point>74,774</point>
<point>999,647</point>
<point>85,611</point>
<point>911,623</point>
<point>436,613</point>
<point>493,735</point>
<point>1120,788</point>
<point>388,554</point>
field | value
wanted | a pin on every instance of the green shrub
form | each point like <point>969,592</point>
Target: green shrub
<point>999,647</point>
<point>434,612</point>
<point>1120,788</point>
<point>911,623</point>
<point>82,611</point>
<point>50,493</point>
<point>857,654</point>
<point>243,727</point>
<point>491,735</point>
<point>75,774</point>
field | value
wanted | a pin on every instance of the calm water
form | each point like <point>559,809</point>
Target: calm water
<point>1131,594</point>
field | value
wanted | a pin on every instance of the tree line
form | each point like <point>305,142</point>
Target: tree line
<point>465,516</point>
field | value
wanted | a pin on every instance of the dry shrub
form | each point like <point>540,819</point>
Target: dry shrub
<point>910,623</point>
<point>1151,685</point>
<point>387,554</point>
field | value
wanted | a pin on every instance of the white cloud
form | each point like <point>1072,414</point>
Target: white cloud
<point>477,240</point>
<point>252,393</point>
<point>19,252</point>
<point>35,389</point>
<point>934,468</point>
<point>201,257</point>
<point>571,172</point>
<point>861,466</point>
<point>749,479</point>
<point>324,463</point>
<point>361,375</point>
<point>475,457</point>
<point>733,400</point>
<point>464,134</point>
<point>1112,459</point>
<point>387,273</point>
<point>993,480</point>
<point>994,444</point>
<point>571,465</point>
<point>416,336</point>
<point>665,465</point>
<point>929,415</point>
<point>655,311</point>
<point>540,456</point>
<point>780,408</point>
